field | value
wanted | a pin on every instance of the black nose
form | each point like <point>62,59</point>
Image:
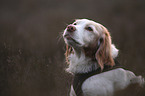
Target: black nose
<point>71,28</point>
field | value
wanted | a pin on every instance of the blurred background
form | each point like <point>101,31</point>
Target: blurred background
<point>32,49</point>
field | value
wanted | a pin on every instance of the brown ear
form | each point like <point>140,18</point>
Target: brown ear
<point>67,53</point>
<point>103,54</point>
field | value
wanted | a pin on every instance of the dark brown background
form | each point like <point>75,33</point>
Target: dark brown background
<point>32,53</point>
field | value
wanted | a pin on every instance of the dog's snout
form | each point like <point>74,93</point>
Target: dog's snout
<point>71,28</point>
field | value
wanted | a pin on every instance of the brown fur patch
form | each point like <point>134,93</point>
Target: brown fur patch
<point>103,54</point>
<point>67,53</point>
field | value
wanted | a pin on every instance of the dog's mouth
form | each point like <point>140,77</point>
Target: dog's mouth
<point>69,38</point>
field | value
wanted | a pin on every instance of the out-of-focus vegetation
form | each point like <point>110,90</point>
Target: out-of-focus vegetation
<point>32,53</point>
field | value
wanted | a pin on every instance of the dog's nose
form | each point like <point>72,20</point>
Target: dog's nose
<point>71,28</point>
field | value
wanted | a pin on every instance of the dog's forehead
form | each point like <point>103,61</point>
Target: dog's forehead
<point>89,22</point>
<point>85,21</point>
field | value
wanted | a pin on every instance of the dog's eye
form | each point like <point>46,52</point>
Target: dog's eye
<point>75,23</point>
<point>89,29</point>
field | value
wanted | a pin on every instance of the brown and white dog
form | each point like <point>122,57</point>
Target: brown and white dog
<point>89,47</point>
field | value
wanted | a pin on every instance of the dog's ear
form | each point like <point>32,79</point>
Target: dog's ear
<point>67,53</point>
<point>103,54</point>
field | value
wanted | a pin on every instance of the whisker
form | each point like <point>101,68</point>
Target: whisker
<point>59,37</point>
<point>66,24</point>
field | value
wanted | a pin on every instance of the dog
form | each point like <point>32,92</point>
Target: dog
<point>89,51</point>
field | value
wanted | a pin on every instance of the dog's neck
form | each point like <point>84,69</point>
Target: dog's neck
<point>80,63</point>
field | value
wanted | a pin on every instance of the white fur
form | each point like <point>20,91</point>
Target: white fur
<point>114,51</point>
<point>80,64</point>
<point>103,84</point>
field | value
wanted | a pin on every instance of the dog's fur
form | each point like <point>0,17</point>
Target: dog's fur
<point>88,47</point>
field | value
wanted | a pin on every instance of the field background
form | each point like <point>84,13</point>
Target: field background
<point>32,50</point>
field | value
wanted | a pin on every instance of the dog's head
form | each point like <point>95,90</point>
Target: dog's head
<point>91,38</point>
